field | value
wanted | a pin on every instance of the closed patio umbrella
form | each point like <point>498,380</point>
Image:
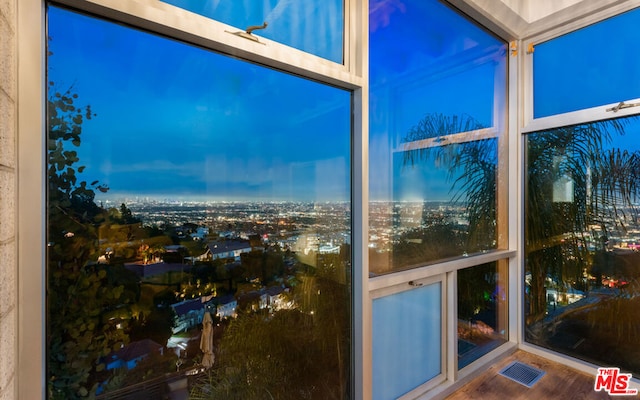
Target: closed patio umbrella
<point>206,341</point>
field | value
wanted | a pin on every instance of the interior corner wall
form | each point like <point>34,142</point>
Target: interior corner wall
<point>8,196</point>
<point>539,9</point>
<point>520,7</point>
<point>534,10</point>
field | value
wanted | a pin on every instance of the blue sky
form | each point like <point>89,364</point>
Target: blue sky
<point>425,59</point>
<point>314,26</point>
<point>180,120</point>
<point>590,67</point>
<point>174,119</point>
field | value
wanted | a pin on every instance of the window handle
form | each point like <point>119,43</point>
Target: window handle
<point>622,105</point>
<point>247,32</point>
<point>254,27</point>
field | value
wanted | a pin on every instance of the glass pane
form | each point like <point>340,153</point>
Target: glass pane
<point>198,222</point>
<point>482,310</point>
<point>313,26</point>
<point>436,110</point>
<point>587,68</point>
<point>582,234</point>
<point>407,340</point>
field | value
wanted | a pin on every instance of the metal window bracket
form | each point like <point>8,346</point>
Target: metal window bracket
<point>622,105</point>
<point>531,48</point>
<point>514,48</point>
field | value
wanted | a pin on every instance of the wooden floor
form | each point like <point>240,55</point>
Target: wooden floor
<point>559,382</point>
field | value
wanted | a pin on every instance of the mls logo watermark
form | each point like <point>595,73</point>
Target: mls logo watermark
<point>613,382</point>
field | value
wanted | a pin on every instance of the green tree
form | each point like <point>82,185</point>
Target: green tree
<point>86,309</point>
<point>155,324</point>
<point>126,215</point>
<point>300,353</point>
<point>264,265</point>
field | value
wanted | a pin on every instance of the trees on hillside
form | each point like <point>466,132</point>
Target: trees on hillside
<point>300,353</point>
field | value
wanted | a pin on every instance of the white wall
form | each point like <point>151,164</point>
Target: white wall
<point>8,195</point>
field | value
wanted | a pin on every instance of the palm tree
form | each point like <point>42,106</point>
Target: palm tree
<point>472,170</point>
<point>600,186</point>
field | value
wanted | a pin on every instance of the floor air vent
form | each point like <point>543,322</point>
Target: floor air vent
<point>522,373</point>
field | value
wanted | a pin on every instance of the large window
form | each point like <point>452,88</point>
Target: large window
<point>581,198</point>
<point>437,213</point>
<point>582,241</point>
<point>436,120</point>
<point>199,222</point>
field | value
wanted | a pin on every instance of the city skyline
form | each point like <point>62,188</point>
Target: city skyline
<point>174,119</point>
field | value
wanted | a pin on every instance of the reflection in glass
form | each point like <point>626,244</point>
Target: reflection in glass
<point>568,76</point>
<point>316,27</point>
<point>427,231</point>
<point>482,310</point>
<point>437,84</point>
<point>582,236</point>
<point>183,183</point>
<point>407,340</point>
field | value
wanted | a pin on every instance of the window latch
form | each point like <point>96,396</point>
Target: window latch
<point>247,33</point>
<point>254,27</point>
<point>622,105</point>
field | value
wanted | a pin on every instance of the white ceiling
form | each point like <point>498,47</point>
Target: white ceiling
<point>524,18</point>
<point>535,10</point>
